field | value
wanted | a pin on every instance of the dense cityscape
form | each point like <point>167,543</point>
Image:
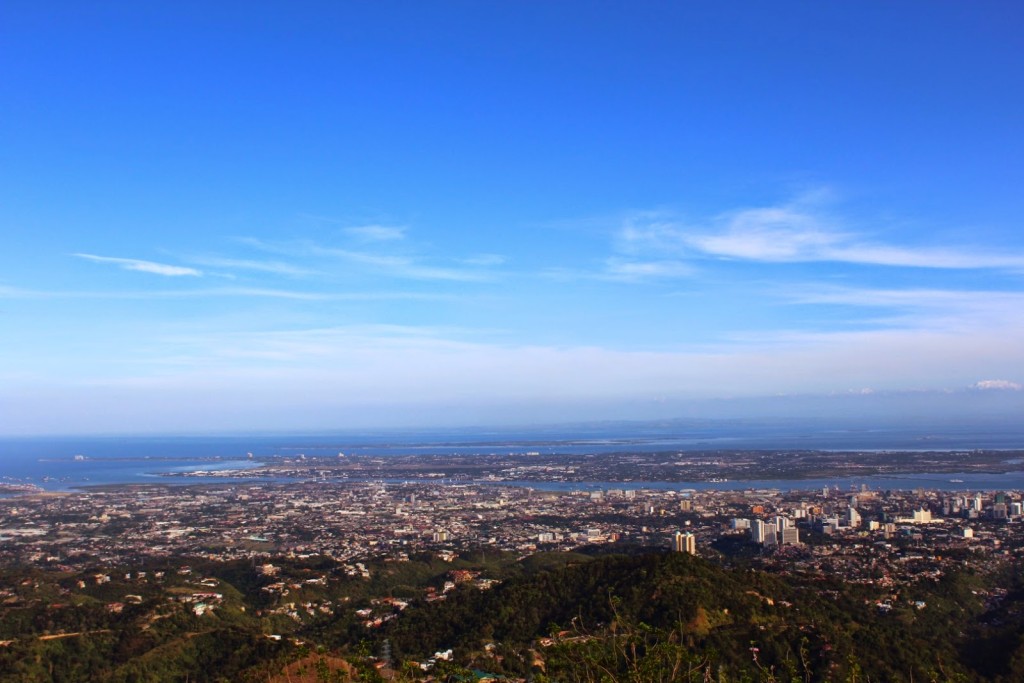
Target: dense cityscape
<point>307,554</point>
<point>863,534</point>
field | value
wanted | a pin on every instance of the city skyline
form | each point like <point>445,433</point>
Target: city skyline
<point>461,214</point>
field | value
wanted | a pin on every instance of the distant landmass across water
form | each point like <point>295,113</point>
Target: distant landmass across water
<point>62,463</point>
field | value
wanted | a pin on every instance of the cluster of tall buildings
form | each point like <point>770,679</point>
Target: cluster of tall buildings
<point>685,543</point>
<point>772,533</point>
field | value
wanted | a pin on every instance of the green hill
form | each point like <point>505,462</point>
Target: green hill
<point>658,616</point>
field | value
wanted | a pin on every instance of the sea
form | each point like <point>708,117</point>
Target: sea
<point>68,463</point>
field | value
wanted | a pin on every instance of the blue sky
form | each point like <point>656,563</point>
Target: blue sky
<point>349,215</point>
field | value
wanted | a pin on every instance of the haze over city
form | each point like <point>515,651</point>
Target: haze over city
<point>258,217</point>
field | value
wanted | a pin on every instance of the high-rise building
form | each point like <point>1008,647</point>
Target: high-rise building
<point>757,531</point>
<point>685,543</point>
<point>763,532</point>
<point>791,536</point>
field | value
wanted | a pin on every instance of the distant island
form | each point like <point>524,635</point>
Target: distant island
<point>714,466</point>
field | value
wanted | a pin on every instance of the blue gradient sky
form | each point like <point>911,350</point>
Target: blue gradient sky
<point>232,216</point>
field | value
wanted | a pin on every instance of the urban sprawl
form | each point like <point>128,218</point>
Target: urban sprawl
<point>881,538</point>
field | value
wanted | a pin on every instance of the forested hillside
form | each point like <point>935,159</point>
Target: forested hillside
<point>554,617</point>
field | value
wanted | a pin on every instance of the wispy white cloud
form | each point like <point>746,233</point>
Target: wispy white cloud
<point>631,270</point>
<point>996,385</point>
<point>768,234</point>
<point>800,231</point>
<point>7,292</point>
<point>402,266</point>
<point>815,293</point>
<point>143,266</point>
<point>483,260</point>
<point>922,309</point>
<point>393,265</point>
<point>623,268</point>
<point>274,267</point>
<point>376,233</point>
